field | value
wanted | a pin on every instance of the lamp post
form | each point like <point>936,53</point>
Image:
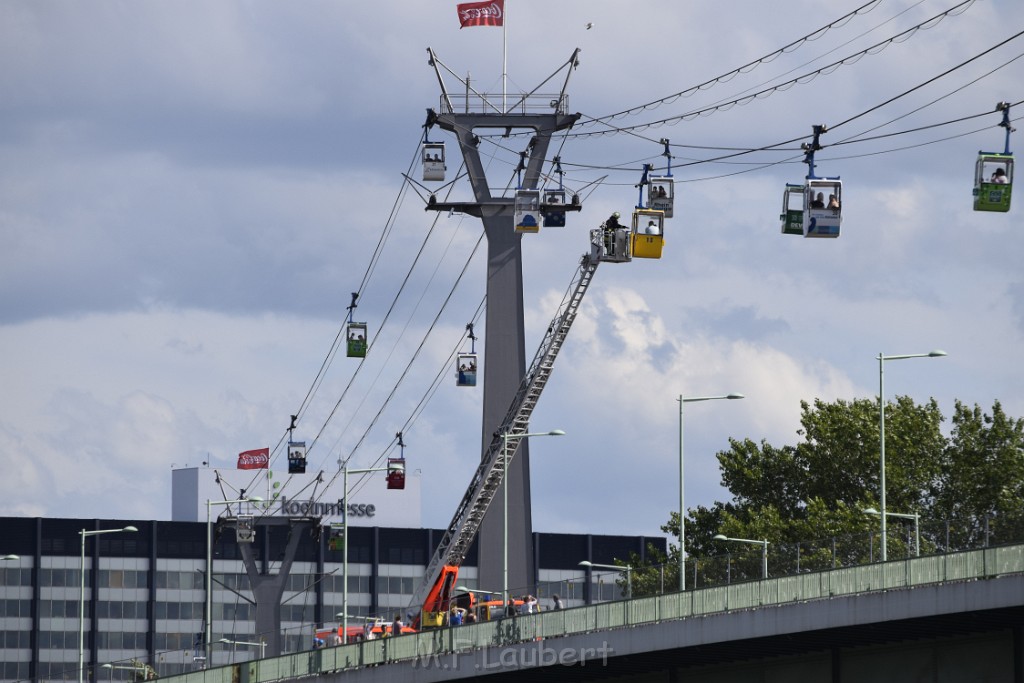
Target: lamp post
<point>764,550</point>
<point>505,438</point>
<point>137,668</point>
<point>81,595</point>
<point>261,645</point>
<point>917,525</point>
<point>475,591</point>
<point>344,545</point>
<point>209,568</point>
<point>881,430</point>
<point>628,569</point>
<point>682,510</point>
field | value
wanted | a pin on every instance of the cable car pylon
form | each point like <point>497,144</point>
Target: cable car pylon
<point>463,112</point>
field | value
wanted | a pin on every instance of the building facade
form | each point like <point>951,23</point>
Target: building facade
<point>145,591</point>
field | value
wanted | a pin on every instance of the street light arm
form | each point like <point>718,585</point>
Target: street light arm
<point>694,399</point>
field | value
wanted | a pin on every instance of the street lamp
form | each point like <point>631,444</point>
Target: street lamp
<point>262,645</point>
<point>881,429</point>
<point>475,591</point>
<point>626,567</point>
<point>344,545</point>
<point>81,595</point>
<point>764,550</point>
<point>917,525</point>
<point>506,457</point>
<point>136,668</point>
<point>682,510</point>
<point>209,568</point>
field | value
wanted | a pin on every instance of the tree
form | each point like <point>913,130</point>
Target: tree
<point>808,500</point>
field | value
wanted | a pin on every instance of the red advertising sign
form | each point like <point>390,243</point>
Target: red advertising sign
<point>491,13</point>
<point>258,459</point>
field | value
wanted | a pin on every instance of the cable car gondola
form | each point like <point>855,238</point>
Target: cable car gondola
<point>433,160</point>
<point>527,211</point>
<point>819,212</point>
<point>396,467</point>
<point>465,364</point>
<point>661,194</point>
<point>661,189</point>
<point>554,217</point>
<point>355,333</point>
<point>296,457</point>
<point>648,236</point>
<point>823,201</point>
<point>793,210</point>
<point>993,172</point>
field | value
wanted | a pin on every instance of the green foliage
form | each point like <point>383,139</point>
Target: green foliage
<point>808,500</point>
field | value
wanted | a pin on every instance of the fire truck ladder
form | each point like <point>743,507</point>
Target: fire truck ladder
<point>486,482</point>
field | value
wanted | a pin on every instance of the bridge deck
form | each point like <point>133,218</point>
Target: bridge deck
<point>942,586</point>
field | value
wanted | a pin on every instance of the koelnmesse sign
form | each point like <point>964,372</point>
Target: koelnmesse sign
<point>312,508</point>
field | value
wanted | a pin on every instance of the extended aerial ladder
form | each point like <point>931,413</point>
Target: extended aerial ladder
<point>434,594</point>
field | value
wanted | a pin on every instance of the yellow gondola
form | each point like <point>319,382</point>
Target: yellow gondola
<point>648,235</point>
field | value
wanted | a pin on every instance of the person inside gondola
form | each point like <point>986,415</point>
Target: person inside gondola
<point>999,176</point>
<point>652,228</point>
<point>818,202</point>
<point>661,192</point>
<point>833,203</point>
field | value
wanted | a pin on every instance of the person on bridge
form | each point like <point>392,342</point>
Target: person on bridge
<point>456,616</point>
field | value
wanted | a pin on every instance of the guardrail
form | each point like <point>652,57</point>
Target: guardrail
<point>915,572</point>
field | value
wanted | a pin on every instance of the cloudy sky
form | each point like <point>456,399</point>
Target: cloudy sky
<point>190,192</point>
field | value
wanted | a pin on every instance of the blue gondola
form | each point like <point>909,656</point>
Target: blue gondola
<point>993,172</point>
<point>465,364</point>
<point>554,200</point>
<point>553,216</point>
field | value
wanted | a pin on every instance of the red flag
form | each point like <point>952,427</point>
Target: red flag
<point>258,459</point>
<point>490,13</point>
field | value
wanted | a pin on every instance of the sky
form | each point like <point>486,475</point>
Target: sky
<point>191,191</point>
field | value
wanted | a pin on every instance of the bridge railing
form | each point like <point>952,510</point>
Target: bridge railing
<point>429,645</point>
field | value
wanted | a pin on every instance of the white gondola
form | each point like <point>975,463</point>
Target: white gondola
<point>823,207</point>
<point>648,236</point>
<point>553,216</point>
<point>433,161</point>
<point>661,194</point>
<point>527,211</point>
<point>466,374</point>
